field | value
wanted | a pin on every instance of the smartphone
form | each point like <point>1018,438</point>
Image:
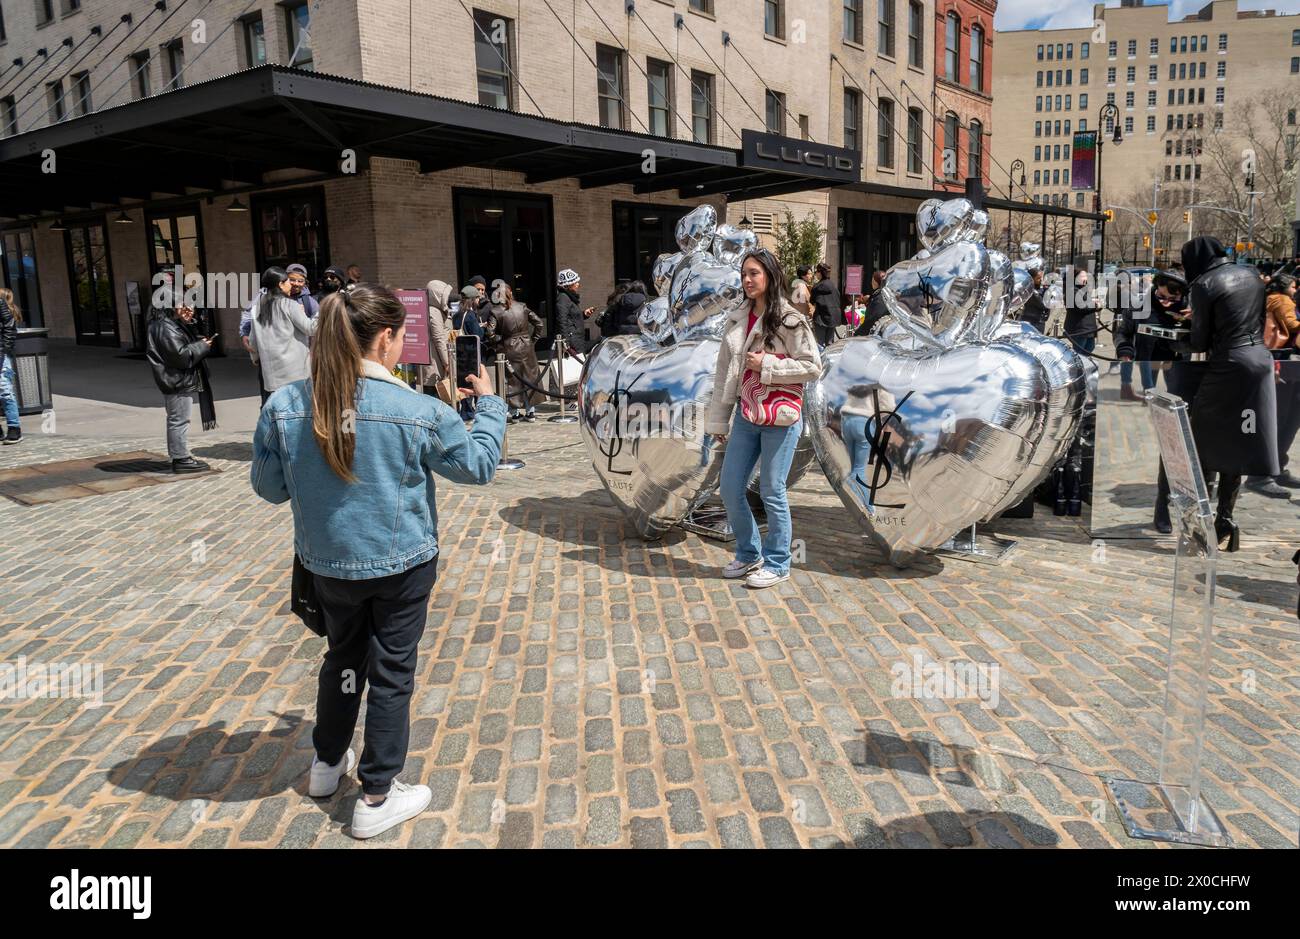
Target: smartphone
<point>468,359</point>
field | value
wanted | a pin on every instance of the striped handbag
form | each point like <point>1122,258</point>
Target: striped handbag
<point>770,405</point>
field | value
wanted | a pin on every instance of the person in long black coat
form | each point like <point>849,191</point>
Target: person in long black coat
<point>828,309</point>
<point>1234,411</point>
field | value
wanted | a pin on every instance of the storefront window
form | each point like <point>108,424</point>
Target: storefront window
<point>641,234</point>
<point>18,270</point>
<point>510,236</point>
<point>289,228</point>
<point>176,240</point>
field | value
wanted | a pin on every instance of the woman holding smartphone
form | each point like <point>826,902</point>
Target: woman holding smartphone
<point>354,451</point>
<point>768,351</point>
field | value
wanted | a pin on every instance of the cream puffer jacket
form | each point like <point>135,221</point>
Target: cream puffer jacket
<point>795,340</point>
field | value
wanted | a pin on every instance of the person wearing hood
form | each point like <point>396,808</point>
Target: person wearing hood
<point>333,280</point>
<point>439,294</point>
<point>619,318</point>
<point>177,355</point>
<point>1234,411</point>
<point>514,329</point>
<point>569,312</point>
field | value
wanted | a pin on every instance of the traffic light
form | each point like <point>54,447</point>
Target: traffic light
<point>1109,215</point>
<point>1146,241</point>
<point>1187,218</point>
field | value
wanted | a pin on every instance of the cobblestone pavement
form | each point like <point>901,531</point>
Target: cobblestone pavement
<point>579,687</point>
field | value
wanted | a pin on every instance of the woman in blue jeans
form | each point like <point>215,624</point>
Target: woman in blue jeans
<point>355,450</point>
<point>10,317</point>
<point>767,353</point>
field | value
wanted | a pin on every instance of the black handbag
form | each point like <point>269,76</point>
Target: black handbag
<point>302,598</point>
<point>1295,559</point>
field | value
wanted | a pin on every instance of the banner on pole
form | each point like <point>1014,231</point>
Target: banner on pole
<point>415,346</point>
<point>853,280</point>
<point>1083,161</point>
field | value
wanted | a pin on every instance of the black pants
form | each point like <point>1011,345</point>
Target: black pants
<point>1229,488</point>
<point>374,629</point>
<point>824,335</point>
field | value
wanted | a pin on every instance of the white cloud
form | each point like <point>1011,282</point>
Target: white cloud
<point>1063,14</point>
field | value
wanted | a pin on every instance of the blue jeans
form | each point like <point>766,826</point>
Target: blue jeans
<point>9,392</point>
<point>853,427</point>
<point>1084,344</point>
<point>1144,371</point>
<point>772,450</point>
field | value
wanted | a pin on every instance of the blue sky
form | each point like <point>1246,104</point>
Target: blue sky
<point>1029,14</point>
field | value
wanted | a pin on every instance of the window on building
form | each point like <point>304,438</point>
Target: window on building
<point>2,25</point>
<point>1069,50</point>
<point>1083,50</point>
<point>1151,73</point>
<point>775,112</point>
<point>951,142</point>
<point>1110,97</point>
<point>1180,95</point>
<point>1218,95</point>
<point>1039,79</point>
<point>1040,53</point>
<point>174,57</point>
<point>1290,117</point>
<point>298,33</point>
<point>44,11</point>
<point>1128,99</point>
<point>1171,96</point>
<point>1223,42</point>
<point>1173,43</point>
<point>885,133</point>
<point>139,65</point>
<point>1083,123</point>
<point>254,40</point>
<point>81,93</point>
<point>1056,125</point>
<point>1130,74</point>
<point>54,95</point>
<point>1083,76</point>
<point>1128,125</point>
<point>1154,47</point>
<point>774,18</point>
<point>1056,181</point>
<point>1202,70</point>
<point>659,97</point>
<point>68,7</point>
<point>1037,177</point>
<point>1110,75</point>
<point>1182,44</point>
<point>852,119</point>
<point>977,58</point>
<point>1038,102</point>
<point>1038,154</point>
<point>1221,71</point>
<point>1132,47</point>
<point>1200,96</point>
<point>1083,102</point>
<point>1295,65</point>
<point>1069,76</point>
<point>886,33</point>
<point>1168,172</point>
<point>1067,128</point>
<point>493,58</point>
<point>1050,53</point>
<point>914,164</point>
<point>852,25</point>
<point>952,47</point>
<point>975,150</point>
<point>916,35</point>
<point>1218,120</point>
<point>702,6</point>
<point>1067,102</point>
<point>1182,71</point>
<point>9,117</point>
<point>1051,78</point>
<point>610,82</point>
<point>1112,48</point>
<point>701,107</point>
<point>1058,103</point>
<point>1065,151</point>
<point>1038,127</point>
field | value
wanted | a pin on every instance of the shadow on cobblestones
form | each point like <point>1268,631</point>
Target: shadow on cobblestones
<point>953,830</point>
<point>239,452</point>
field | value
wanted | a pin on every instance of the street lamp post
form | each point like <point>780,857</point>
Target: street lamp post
<point>1011,195</point>
<point>1111,109</point>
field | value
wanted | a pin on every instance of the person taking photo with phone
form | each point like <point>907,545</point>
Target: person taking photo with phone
<point>354,451</point>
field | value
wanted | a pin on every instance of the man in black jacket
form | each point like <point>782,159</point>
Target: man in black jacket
<point>569,313</point>
<point>1035,311</point>
<point>176,355</point>
<point>828,311</point>
<point>8,391</point>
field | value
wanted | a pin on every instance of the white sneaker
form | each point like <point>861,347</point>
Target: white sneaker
<point>403,803</point>
<point>738,569</point>
<point>325,778</point>
<point>765,577</point>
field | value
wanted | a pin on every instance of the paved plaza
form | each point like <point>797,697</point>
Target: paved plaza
<point>579,687</point>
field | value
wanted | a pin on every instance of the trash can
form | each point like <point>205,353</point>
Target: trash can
<point>32,371</point>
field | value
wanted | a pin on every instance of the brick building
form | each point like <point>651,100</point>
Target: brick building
<point>442,139</point>
<point>963,90</point>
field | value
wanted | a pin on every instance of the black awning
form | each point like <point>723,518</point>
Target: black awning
<point>1002,205</point>
<point>236,129</point>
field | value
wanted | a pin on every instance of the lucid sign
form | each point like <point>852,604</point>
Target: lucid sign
<point>802,157</point>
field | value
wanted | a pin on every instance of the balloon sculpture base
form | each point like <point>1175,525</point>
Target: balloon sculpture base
<point>709,521</point>
<point>1166,813</point>
<point>970,545</point>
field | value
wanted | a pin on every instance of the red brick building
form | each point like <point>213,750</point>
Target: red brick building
<point>962,102</point>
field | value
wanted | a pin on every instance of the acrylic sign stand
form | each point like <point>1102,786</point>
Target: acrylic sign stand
<point>1174,808</point>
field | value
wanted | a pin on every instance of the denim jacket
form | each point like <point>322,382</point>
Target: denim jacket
<point>387,521</point>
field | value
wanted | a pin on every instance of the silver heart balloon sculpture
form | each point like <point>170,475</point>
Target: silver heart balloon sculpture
<point>642,400</point>
<point>947,415</point>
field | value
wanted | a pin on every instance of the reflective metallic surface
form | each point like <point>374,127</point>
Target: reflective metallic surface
<point>641,412</point>
<point>696,229</point>
<point>654,321</point>
<point>703,287</point>
<point>731,244</point>
<point>662,274</point>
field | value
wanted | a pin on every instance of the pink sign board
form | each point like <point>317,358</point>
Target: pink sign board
<point>853,280</point>
<point>415,349</point>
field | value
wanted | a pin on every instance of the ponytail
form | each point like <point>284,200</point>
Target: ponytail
<point>7,296</point>
<point>349,321</point>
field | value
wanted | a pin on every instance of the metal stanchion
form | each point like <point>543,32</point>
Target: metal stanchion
<point>557,367</point>
<point>505,462</point>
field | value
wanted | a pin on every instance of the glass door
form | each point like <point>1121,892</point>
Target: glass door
<point>641,234</point>
<point>18,272</point>
<point>509,236</point>
<point>290,228</point>
<point>90,273</point>
<point>176,241</point>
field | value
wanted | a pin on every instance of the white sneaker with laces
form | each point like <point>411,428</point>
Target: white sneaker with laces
<point>403,803</point>
<point>738,569</point>
<point>324,779</point>
<point>765,577</point>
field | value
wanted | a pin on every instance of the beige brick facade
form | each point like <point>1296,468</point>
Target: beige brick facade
<point>397,223</point>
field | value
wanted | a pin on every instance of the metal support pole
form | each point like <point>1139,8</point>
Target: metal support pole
<point>505,462</point>
<point>1043,239</point>
<point>557,369</point>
